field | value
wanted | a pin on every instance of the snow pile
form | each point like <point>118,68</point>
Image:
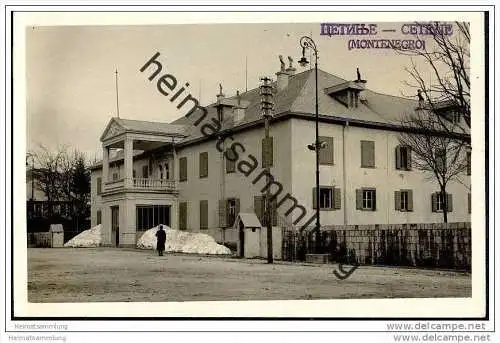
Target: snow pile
<point>183,241</point>
<point>87,239</point>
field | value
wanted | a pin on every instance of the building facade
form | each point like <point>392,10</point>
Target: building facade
<point>194,174</point>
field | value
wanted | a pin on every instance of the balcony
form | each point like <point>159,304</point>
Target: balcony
<point>142,185</point>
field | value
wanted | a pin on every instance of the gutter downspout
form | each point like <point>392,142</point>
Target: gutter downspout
<point>344,173</point>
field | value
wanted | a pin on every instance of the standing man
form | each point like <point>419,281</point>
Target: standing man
<point>161,237</point>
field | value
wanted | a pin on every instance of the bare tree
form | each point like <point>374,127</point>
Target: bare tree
<point>48,167</point>
<point>441,71</point>
<point>444,155</point>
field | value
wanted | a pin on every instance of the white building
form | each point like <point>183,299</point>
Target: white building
<point>175,173</point>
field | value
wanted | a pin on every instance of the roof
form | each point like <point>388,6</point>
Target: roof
<point>249,220</point>
<point>150,126</point>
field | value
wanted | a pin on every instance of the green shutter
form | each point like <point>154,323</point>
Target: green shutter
<point>183,169</point>
<point>258,207</point>
<point>374,208</point>
<point>337,198</point>
<point>183,216</point>
<point>203,164</point>
<point>408,157</point>
<point>326,153</point>
<point>368,154</point>
<point>267,152</point>
<point>410,200</point>
<point>397,200</point>
<point>203,214</point>
<point>398,158</point>
<point>468,163</point>
<point>469,203</point>
<point>222,213</point>
<point>449,202</point>
<point>359,199</point>
<point>434,202</point>
<point>99,185</point>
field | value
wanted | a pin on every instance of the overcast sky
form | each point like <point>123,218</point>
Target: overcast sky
<point>71,71</point>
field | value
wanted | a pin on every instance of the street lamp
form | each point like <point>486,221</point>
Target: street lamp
<point>267,107</point>
<point>308,43</point>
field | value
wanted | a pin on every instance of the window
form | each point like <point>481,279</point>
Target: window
<point>183,169</point>
<point>403,157</point>
<point>99,185</point>
<point>403,200</point>
<point>366,199</point>
<point>115,176</point>
<point>231,211</point>
<point>149,216</point>
<point>326,153</point>
<point>441,159</point>
<point>203,214</point>
<point>160,169</point>
<point>145,172</point>
<point>203,164</point>
<point>259,206</point>
<point>167,171</point>
<point>438,202</point>
<point>230,165</point>
<point>99,217</point>
<point>329,198</point>
<point>183,215</point>
<point>367,154</point>
<point>267,152</point>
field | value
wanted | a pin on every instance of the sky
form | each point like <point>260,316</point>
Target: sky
<point>70,71</point>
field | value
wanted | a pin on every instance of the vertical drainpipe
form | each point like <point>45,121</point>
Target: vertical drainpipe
<point>388,166</point>
<point>344,173</point>
<point>222,174</point>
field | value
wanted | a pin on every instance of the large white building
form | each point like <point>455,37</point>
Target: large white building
<point>178,173</point>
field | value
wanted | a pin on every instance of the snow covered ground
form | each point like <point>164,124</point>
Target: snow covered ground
<point>183,241</point>
<point>87,239</point>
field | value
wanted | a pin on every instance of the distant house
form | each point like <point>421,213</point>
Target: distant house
<point>174,174</point>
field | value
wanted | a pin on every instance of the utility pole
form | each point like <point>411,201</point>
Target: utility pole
<point>267,107</point>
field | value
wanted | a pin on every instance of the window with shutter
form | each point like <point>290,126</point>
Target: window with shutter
<point>222,213</point>
<point>203,214</point>
<point>258,207</point>
<point>99,217</point>
<point>366,199</point>
<point>267,152</point>
<point>403,200</point>
<point>230,166</point>
<point>434,202</point>
<point>326,153</point>
<point>183,169</point>
<point>327,198</point>
<point>203,164</point>
<point>403,158</point>
<point>183,215</point>
<point>99,185</point>
<point>367,154</point>
<point>232,211</point>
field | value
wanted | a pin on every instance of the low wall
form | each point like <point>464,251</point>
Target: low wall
<point>40,239</point>
<point>424,245</point>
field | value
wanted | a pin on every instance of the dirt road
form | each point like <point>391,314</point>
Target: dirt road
<point>104,274</point>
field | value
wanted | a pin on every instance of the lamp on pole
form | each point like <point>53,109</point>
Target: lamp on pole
<point>308,43</point>
<point>267,107</point>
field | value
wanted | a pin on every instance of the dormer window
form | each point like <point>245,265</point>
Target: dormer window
<point>347,93</point>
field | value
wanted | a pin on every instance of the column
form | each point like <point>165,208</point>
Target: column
<point>128,161</point>
<point>105,165</point>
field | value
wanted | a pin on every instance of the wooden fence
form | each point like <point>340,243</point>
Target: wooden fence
<point>421,245</point>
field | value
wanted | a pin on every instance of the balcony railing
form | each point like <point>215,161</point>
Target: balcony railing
<point>143,184</point>
<point>154,184</point>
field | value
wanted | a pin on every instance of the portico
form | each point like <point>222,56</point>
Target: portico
<point>131,147</point>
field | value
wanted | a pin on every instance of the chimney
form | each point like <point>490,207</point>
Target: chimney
<point>290,70</point>
<point>282,76</point>
<point>238,110</point>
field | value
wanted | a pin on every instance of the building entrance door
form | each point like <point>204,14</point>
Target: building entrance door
<point>115,226</point>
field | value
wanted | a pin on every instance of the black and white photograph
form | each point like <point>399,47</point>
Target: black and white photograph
<point>254,167</point>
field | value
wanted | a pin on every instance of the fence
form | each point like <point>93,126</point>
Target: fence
<point>420,245</point>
